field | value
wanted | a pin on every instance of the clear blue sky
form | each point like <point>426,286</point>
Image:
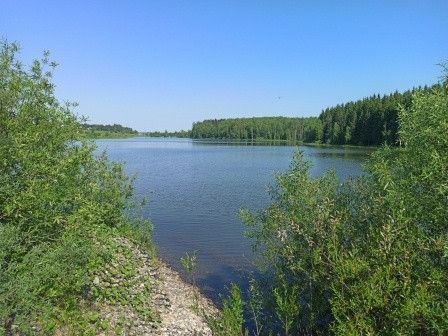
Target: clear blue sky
<point>156,65</point>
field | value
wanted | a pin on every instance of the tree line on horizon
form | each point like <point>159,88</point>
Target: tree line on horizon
<point>118,130</point>
<point>167,134</point>
<point>115,128</point>
<point>370,121</point>
<point>259,128</point>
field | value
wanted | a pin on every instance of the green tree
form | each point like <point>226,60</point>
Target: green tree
<point>59,202</point>
<point>262,128</point>
<point>370,256</point>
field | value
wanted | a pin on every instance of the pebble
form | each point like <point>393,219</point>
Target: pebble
<point>170,299</point>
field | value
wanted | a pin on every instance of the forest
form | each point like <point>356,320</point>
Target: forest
<point>108,131</point>
<point>261,128</point>
<point>96,131</point>
<point>166,134</point>
<point>371,121</point>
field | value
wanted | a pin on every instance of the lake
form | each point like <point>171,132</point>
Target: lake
<point>196,189</point>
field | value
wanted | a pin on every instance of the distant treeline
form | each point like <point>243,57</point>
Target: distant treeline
<point>260,128</point>
<point>369,121</point>
<point>97,131</point>
<point>166,134</point>
<point>115,128</point>
<point>117,131</point>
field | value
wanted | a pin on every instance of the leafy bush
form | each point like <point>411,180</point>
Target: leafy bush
<point>58,201</point>
<point>230,321</point>
<point>370,256</point>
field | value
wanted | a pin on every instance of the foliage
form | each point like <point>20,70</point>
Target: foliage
<point>255,306</point>
<point>370,121</point>
<point>189,263</point>
<point>398,267</point>
<point>291,234</point>
<point>369,256</point>
<point>166,134</point>
<point>230,321</point>
<point>58,203</point>
<point>263,128</point>
<point>286,305</point>
<point>97,131</point>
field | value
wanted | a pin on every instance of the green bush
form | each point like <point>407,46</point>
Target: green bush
<point>399,286</point>
<point>59,202</point>
<point>230,320</point>
<point>369,256</point>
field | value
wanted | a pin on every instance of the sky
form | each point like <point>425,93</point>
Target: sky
<point>161,65</point>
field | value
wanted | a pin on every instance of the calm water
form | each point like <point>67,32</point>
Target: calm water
<point>197,188</point>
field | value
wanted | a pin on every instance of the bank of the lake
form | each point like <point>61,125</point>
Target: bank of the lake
<point>138,294</point>
<point>248,142</point>
<point>107,135</point>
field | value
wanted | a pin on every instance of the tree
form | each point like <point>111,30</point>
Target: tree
<point>58,202</point>
<point>370,256</point>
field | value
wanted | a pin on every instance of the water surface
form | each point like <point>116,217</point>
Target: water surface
<point>196,189</point>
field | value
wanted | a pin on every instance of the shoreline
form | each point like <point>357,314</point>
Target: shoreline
<point>182,317</point>
<point>154,299</point>
<point>243,142</point>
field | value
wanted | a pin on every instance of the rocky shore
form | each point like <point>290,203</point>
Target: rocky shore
<point>137,294</point>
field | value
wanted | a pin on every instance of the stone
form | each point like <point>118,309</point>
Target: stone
<point>168,297</point>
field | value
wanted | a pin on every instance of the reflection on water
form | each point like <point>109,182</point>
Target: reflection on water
<point>197,188</point>
<point>344,154</point>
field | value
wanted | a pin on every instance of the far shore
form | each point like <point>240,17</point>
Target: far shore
<point>247,142</point>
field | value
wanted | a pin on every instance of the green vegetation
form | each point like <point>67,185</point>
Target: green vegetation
<point>60,207</point>
<point>230,321</point>
<point>96,131</point>
<point>369,257</point>
<point>263,128</point>
<point>189,263</point>
<point>166,134</point>
<point>371,121</point>
<point>366,257</point>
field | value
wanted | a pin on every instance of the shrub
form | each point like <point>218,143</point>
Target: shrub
<point>230,320</point>
<point>58,201</point>
<point>370,256</point>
